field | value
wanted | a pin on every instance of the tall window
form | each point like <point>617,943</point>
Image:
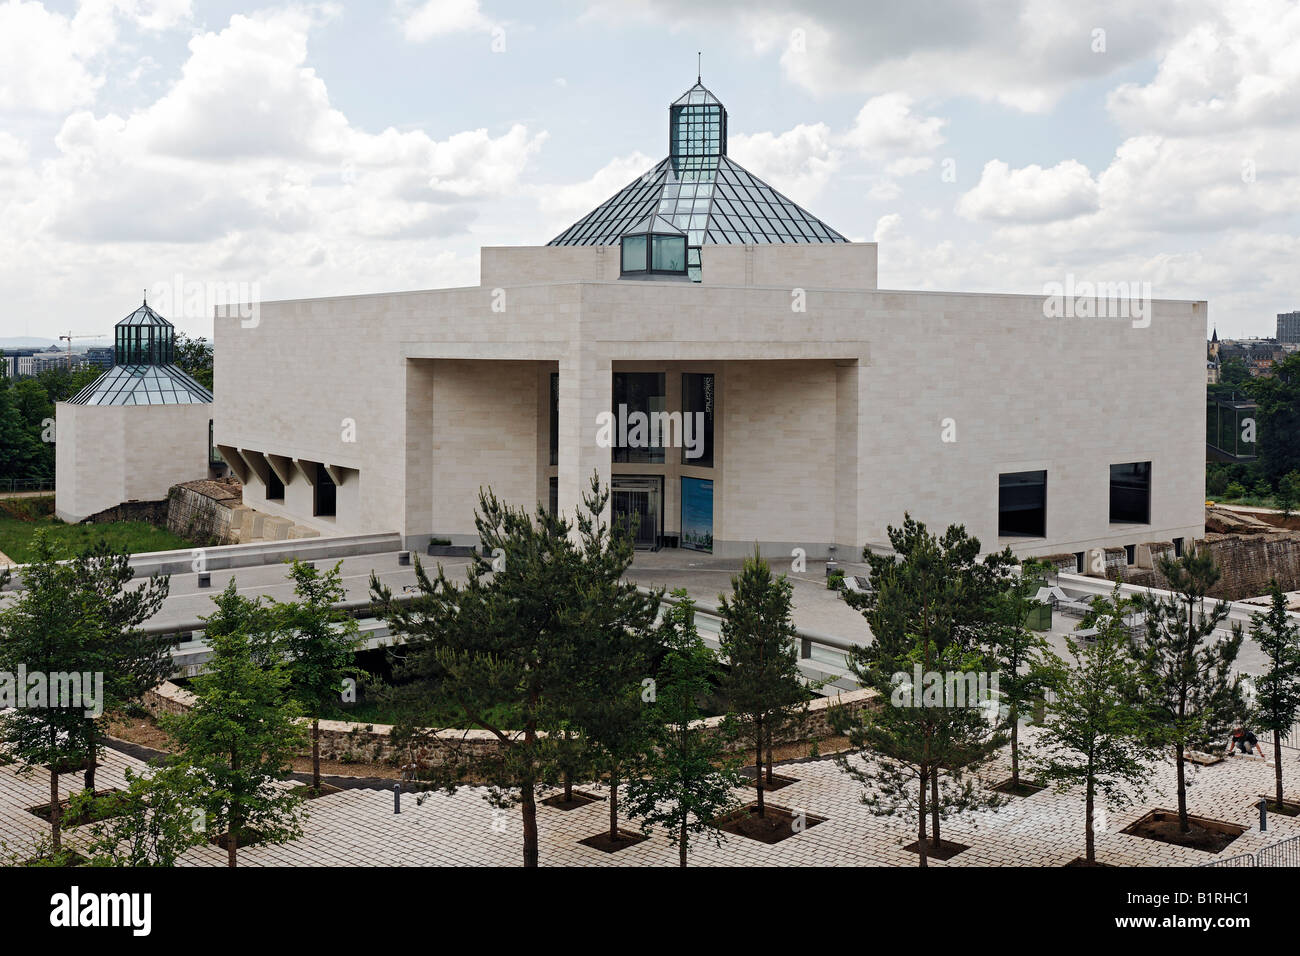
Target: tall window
<point>1130,493</point>
<point>555,418</point>
<point>1022,504</point>
<point>274,486</point>
<point>697,419</point>
<point>326,496</point>
<point>637,397</point>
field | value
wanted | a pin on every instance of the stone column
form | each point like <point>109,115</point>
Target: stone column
<point>586,388</point>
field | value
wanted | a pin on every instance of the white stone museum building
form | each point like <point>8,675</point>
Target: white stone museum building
<point>726,361</point>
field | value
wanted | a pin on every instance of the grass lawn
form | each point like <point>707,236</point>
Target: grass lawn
<point>21,518</point>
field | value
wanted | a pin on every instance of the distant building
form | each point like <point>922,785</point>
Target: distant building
<point>9,361</point>
<point>1288,328</point>
<point>100,357</point>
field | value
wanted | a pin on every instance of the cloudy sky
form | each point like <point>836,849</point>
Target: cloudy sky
<point>334,148</point>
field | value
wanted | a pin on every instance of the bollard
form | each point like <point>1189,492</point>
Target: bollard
<point>397,798</point>
<point>1263,814</point>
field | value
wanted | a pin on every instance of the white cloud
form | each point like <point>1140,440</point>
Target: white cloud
<point>887,226</point>
<point>13,151</point>
<point>438,18</point>
<point>1031,194</point>
<point>565,203</point>
<point>887,125</point>
<point>798,162</point>
<point>40,60</point>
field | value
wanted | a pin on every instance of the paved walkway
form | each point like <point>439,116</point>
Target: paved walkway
<point>358,827</point>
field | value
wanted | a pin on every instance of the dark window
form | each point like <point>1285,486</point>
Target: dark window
<point>274,486</point>
<point>1130,553</point>
<point>1078,562</point>
<point>326,494</point>
<point>1022,504</point>
<point>1130,493</point>
<point>555,495</point>
<point>555,418</point>
<point>1178,547</point>
<point>637,396</point>
<point>697,397</point>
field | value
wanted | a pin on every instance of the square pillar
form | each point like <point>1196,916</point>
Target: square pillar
<point>586,390</point>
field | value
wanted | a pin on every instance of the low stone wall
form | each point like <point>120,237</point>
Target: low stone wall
<point>349,742</point>
<point>201,511</point>
<point>150,512</point>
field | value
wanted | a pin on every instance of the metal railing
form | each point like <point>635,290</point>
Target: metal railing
<point>1286,853</point>
<point>16,485</point>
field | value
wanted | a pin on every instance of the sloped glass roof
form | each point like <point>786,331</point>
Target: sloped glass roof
<point>143,385</point>
<point>702,192</point>
<point>145,316</point>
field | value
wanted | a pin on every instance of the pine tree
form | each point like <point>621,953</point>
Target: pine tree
<point>319,644</point>
<point>928,612</point>
<point>1190,691</point>
<point>762,683</point>
<point>131,661</point>
<point>499,652</point>
<point>1092,737</point>
<point>1277,690</point>
<point>240,737</point>
<point>687,780</point>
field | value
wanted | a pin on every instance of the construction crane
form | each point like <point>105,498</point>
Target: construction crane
<point>69,337</point>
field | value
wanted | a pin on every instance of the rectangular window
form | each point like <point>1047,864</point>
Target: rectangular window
<point>554,495</point>
<point>1078,562</point>
<point>1130,493</point>
<point>669,254</point>
<point>1130,554</point>
<point>274,486</point>
<point>697,419</point>
<point>639,400</point>
<point>697,514</point>
<point>555,418</point>
<point>1022,504</point>
<point>634,254</point>
<point>326,494</point>
<point>1178,547</point>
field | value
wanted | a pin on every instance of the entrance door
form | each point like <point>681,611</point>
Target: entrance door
<point>637,504</point>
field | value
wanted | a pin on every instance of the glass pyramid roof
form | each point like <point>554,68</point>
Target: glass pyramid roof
<point>701,191</point>
<point>143,385</point>
<point>146,316</point>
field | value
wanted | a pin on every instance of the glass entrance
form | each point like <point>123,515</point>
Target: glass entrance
<point>637,504</point>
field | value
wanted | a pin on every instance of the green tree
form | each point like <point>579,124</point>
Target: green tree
<point>44,631</point>
<point>319,644</point>
<point>687,781</point>
<point>1288,493</point>
<point>498,652</point>
<point>1278,417</point>
<point>1092,737</point>
<point>762,683</point>
<point>1189,691</point>
<point>194,357</point>
<point>928,612</point>
<point>131,661</point>
<point>240,737</point>
<point>614,628</point>
<point>150,823</point>
<point>1017,652</point>
<point>20,450</point>
<point>1277,690</point>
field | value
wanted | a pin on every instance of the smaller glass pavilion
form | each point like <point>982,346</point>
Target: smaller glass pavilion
<point>143,374</point>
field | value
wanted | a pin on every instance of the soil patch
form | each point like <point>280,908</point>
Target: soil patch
<point>776,824</point>
<point>309,792</point>
<point>946,849</point>
<point>1022,789</point>
<point>1205,834</point>
<point>602,841</point>
<point>578,798</point>
<point>94,812</point>
<point>777,782</point>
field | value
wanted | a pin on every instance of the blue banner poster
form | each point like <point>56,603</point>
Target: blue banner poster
<point>697,514</point>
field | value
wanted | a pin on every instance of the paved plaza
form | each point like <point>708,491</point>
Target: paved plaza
<point>358,827</point>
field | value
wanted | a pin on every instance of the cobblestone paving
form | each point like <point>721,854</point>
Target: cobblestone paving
<point>359,828</point>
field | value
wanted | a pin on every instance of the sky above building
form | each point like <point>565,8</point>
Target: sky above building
<point>211,150</point>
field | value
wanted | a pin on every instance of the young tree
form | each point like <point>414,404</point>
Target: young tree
<point>1017,651</point>
<point>1277,690</point>
<point>1190,692</point>
<point>1092,737</point>
<point>927,609</point>
<point>499,653</point>
<point>614,629</point>
<point>130,660</point>
<point>687,781</point>
<point>241,735</point>
<point>762,683</point>
<point>319,644</point>
<point>150,823</point>
<point>44,631</point>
